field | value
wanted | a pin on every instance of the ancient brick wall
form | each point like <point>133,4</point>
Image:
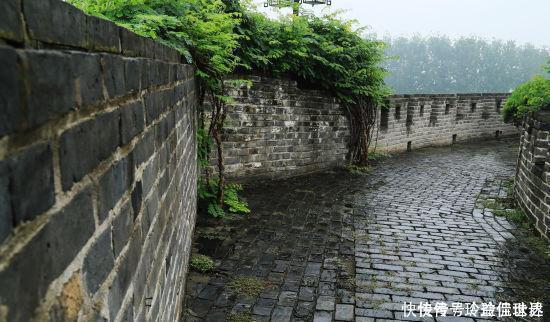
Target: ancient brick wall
<point>415,121</point>
<point>532,186</point>
<point>97,169</point>
<point>275,129</point>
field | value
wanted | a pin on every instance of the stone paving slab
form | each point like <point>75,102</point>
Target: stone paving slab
<point>340,247</point>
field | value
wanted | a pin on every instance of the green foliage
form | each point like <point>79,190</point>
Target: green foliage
<point>379,155</point>
<point>526,98</point>
<point>207,193</point>
<point>204,146</point>
<point>232,200</point>
<point>438,64</point>
<point>241,317</point>
<point>325,52</point>
<point>201,30</point>
<point>201,263</point>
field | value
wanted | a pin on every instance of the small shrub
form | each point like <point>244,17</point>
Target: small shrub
<point>232,202</point>
<point>526,98</point>
<point>201,263</point>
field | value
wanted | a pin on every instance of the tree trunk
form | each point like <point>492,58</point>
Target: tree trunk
<point>362,118</point>
<point>219,114</point>
<point>221,167</point>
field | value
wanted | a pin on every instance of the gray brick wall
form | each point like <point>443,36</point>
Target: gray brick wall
<point>275,129</point>
<point>97,169</point>
<point>430,120</point>
<point>533,171</point>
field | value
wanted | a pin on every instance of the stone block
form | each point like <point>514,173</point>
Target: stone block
<point>124,274</point>
<point>114,183</point>
<point>98,262</point>
<point>6,219</point>
<point>56,22</point>
<point>281,314</point>
<point>31,182</point>
<point>132,74</point>
<point>131,44</point>
<point>144,148</point>
<point>84,146</point>
<point>132,121</point>
<point>122,227</point>
<point>137,196</point>
<point>344,312</point>
<point>10,95</point>
<point>154,102</point>
<point>11,25</point>
<point>162,130</point>
<point>51,92</point>
<point>103,35</point>
<point>88,78</point>
<point>26,278</point>
<point>114,76</point>
<point>153,75</point>
<point>145,78</point>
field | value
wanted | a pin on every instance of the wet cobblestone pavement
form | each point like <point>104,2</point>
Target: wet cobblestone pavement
<point>340,247</point>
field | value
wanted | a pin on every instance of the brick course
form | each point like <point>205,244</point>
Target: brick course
<point>97,180</point>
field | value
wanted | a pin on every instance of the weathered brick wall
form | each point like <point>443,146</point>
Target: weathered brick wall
<point>275,129</point>
<point>415,121</point>
<point>533,171</point>
<point>97,169</point>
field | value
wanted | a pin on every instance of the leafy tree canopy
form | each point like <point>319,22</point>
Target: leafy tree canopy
<point>466,65</point>
<point>201,30</point>
<point>526,98</point>
<point>325,51</point>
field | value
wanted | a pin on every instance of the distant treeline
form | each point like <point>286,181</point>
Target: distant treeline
<point>441,65</point>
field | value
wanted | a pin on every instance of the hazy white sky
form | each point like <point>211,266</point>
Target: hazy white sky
<point>519,20</point>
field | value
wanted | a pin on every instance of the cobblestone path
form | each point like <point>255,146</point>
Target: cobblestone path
<point>341,247</point>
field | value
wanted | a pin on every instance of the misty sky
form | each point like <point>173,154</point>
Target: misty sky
<point>519,20</point>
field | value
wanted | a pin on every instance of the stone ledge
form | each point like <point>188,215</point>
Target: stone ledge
<point>56,23</point>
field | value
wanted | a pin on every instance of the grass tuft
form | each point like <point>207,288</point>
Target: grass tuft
<point>248,286</point>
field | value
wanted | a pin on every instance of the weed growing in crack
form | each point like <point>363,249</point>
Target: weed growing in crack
<point>354,169</point>
<point>507,208</point>
<point>240,317</point>
<point>248,286</point>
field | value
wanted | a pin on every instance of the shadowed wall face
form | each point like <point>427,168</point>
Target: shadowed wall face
<point>97,168</point>
<point>533,174</point>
